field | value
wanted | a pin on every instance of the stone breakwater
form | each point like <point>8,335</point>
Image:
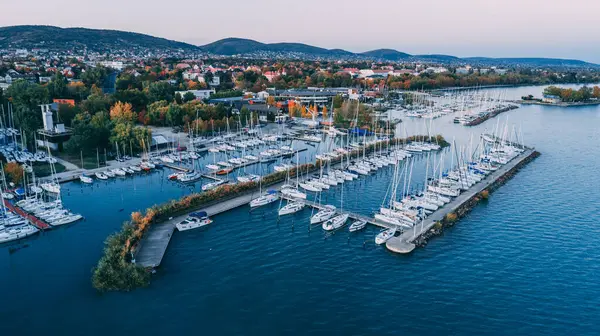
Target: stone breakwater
<point>452,218</point>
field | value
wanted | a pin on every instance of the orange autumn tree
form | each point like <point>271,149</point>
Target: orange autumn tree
<point>324,111</point>
<point>122,113</point>
<point>14,171</point>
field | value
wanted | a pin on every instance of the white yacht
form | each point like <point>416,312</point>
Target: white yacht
<point>335,222</point>
<point>193,221</point>
<point>85,179</point>
<point>101,176</point>
<point>384,236</point>
<point>357,225</point>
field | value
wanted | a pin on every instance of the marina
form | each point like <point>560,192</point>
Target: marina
<point>476,257</point>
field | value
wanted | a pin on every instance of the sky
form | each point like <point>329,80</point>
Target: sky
<point>494,28</point>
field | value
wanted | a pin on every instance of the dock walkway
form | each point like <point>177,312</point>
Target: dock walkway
<point>404,242</point>
<point>32,219</point>
<point>338,211</point>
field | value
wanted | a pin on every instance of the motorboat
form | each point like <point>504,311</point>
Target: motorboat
<point>119,172</point>
<point>101,176</point>
<point>384,236</point>
<point>357,225</point>
<point>109,173</point>
<point>335,222</point>
<point>324,214</point>
<point>86,179</point>
<point>224,171</point>
<point>291,208</point>
<point>127,170</point>
<point>193,221</point>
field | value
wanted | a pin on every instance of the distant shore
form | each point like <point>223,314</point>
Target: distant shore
<point>562,104</point>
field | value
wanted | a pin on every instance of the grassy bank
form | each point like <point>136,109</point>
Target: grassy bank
<point>115,272</point>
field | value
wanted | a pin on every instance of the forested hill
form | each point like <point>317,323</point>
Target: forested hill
<point>51,37</point>
<point>56,38</point>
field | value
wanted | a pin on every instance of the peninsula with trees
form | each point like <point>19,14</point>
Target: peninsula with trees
<point>565,97</point>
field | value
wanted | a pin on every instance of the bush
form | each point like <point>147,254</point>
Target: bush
<point>484,194</point>
<point>451,217</point>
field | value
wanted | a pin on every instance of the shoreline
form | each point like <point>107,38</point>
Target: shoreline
<point>563,104</point>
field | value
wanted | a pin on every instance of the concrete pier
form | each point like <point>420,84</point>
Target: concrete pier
<point>404,243</point>
<point>352,215</point>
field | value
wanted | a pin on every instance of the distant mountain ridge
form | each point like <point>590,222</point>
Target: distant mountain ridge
<point>93,39</point>
<point>102,40</point>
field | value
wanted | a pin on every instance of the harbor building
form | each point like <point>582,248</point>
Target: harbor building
<point>52,136</point>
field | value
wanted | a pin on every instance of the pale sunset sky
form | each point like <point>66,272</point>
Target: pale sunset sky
<point>494,28</point>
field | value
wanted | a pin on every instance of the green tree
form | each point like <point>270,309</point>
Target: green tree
<point>138,99</point>
<point>178,98</point>
<point>57,88</point>
<point>160,91</point>
<point>188,97</point>
<point>337,101</point>
<point>96,103</point>
<point>174,115</point>
<point>66,113</point>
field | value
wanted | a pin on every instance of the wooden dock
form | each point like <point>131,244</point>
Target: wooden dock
<point>32,219</point>
<point>154,244</point>
<point>404,242</point>
<point>352,215</point>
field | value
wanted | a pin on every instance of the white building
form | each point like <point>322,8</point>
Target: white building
<point>463,70</point>
<point>199,94</point>
<point>262,95</point>
<point>117,65</point>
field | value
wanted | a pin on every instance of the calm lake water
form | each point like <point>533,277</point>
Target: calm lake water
<point>525,262</point>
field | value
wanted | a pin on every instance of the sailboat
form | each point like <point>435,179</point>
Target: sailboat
<point>339,220</point>
<point>290,190</point>
<point>324,214</point>
<point>291,207</point>
<point>52,186</point>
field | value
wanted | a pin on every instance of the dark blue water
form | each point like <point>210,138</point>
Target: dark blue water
<point>525,262</point>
